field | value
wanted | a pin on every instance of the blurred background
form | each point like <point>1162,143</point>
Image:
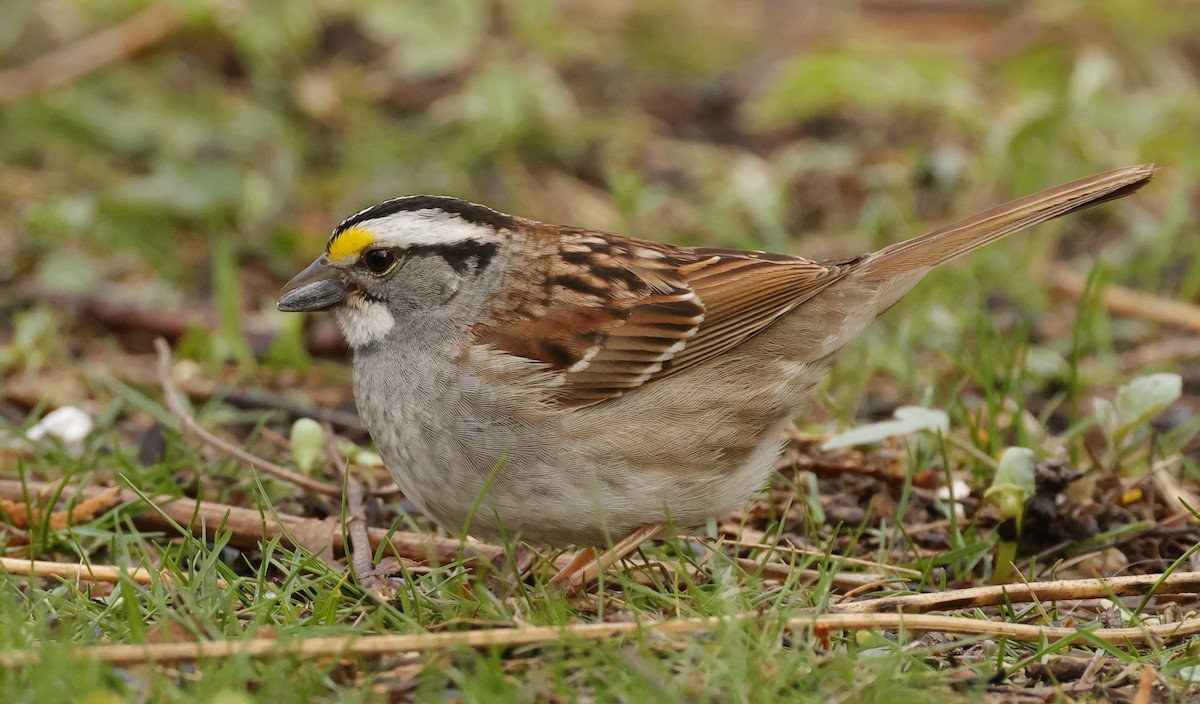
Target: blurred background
<point>164,167</point>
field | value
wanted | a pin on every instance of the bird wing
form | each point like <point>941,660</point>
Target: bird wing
<point>619,313</point>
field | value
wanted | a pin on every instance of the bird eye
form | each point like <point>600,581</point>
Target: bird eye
<point>379,260</point>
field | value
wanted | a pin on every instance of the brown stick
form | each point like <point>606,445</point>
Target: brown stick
<point>355,521</point>
<point>1058,590</point>
<point>1145,690</point>
<point>1119,300</point>
<point>391,644</point>
<point>249,528</point>
<point>90,572</point>
<point>119,41</point>
<point>840,580</point>
<point>191,427</point>
<point>74,570</point>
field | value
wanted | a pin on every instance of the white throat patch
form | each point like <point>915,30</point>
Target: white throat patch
<point>363,322</point>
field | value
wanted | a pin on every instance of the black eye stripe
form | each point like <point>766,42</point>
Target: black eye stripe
<point>462,256</point>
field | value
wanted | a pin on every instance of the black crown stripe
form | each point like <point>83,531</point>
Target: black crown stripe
<point>471,212</point>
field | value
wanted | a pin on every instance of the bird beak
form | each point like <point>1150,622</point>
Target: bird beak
<point>316,288</point>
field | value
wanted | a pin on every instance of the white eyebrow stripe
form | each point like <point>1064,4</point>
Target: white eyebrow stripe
<point>429,227</point>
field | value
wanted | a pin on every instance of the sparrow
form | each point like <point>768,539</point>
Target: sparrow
<point>567,386</point>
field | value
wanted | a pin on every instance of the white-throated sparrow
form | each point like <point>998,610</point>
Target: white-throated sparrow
<point>566,386</point>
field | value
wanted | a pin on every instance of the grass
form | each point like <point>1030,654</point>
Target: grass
<point>172,191</point>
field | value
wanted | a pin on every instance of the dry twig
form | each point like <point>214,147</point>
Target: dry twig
<point>191,427</point>
<point>355,521</point>
<point>512,637</point>
<point>248,528</point>
<point>63,65</point>
<point>754,540</point>
<point>72,570</point>
<point>93,573</point>
<point>768,569</point>
<point>1145,690</point>
<point>1057,590</point>
<point>1123,301</point>
<point>1180,497</point>
<point>21,515</point>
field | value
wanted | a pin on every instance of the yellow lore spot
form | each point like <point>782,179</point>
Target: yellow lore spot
<point>349,243</point>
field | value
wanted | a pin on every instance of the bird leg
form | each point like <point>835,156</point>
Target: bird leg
<point>588,563</point>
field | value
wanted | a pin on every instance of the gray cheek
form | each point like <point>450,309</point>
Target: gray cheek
<point>424,284</point>
<point>449,288</point>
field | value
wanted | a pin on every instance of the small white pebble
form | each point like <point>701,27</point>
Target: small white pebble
<point>961,489</point>
<point>69,424</point>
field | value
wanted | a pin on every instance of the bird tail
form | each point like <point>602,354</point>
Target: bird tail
<point>877,281</point>
<point>920,254</point>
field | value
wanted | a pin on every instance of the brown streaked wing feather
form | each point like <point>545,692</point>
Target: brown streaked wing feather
<point>668,309</point>
<point>607,313</point>
<point>656,329</point>
<point>559,339</point>
<point>743,293</point>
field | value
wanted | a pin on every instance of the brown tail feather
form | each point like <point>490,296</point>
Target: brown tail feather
<point>920,254</point>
